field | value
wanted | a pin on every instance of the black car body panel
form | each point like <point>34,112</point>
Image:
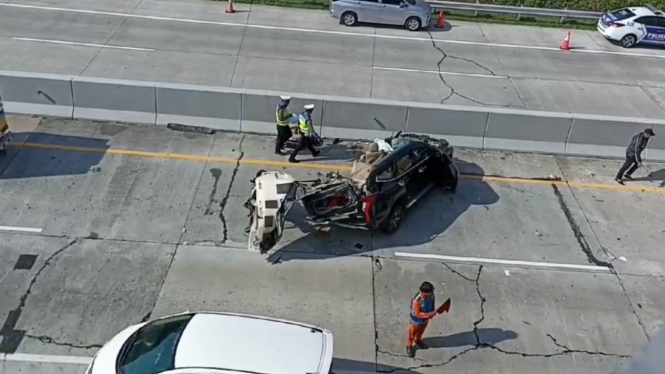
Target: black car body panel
<point>402,176</point>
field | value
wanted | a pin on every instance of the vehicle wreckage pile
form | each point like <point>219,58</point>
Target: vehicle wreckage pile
<point>390,176</point>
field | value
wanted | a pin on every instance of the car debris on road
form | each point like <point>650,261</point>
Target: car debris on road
<point>389,178</point>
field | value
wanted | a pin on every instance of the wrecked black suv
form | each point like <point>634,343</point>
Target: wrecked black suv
<point>391,176</point>
<point>383,185</point>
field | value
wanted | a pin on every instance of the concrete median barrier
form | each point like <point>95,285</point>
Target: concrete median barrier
<point>114,100</point>
<point>603,136</point>
<point>520,131</point>
<point>656,149</point>
<point>362,119</point>
<point>461,126</point>
<point>41,94</point>
<point>191,106</point>
<point>258,110</point>
<point>335,117</point>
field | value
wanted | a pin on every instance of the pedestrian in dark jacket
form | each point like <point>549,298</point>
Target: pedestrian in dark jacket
<point>634,155</point>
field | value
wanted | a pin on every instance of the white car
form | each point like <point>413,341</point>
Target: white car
<point>634,25</point>
<point>216,343</point>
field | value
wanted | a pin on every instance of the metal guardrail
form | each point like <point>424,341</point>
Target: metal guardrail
<point>519,11</point>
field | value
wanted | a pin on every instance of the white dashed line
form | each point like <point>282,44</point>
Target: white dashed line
<point>86,360</point>
<point>83,44</point>
<point>483,261</point>
<point>21,229</point>
<point>443,73</point>
<point>342,33</point>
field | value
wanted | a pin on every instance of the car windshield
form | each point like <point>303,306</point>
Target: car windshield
<point>152,348</point>
<point>622,14</point>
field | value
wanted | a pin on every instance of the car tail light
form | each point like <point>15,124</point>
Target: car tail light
<point>368,204</point>
<point>617,25</point>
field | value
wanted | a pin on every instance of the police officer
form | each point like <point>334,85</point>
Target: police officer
<point>634,155</point>
<point>283,115</point>
<point>306,132</point>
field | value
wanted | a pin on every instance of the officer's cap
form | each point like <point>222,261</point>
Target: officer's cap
<point>309,106</point>
<point>285,97</point>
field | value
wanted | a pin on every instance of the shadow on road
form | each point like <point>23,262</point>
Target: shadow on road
<point>31,161</point>
<point>468,339</point>
<point>340,365</point>
<point>425,221</point>
<point>655,176</point>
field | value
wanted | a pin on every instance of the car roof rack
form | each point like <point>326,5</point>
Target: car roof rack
<point>653,9</point>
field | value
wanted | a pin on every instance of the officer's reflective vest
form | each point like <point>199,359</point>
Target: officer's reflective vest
<point>305,123</point>
<point>287,115</point>
<point>426,306</point>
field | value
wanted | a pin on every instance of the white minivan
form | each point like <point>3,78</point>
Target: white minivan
<point>216,343</point>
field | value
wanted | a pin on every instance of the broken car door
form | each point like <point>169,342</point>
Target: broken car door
<point>384,189</point>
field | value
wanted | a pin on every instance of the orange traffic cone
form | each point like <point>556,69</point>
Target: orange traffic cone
<point>229,8</point>
<point>441,21</point>
<point>566,43</point>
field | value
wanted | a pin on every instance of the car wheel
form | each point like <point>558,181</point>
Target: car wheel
<point>349,19</point>
<point>413,24</point>
<point>628,41</point>
<point>394,220</point>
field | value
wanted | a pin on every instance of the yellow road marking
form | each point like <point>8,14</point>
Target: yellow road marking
<point>325,167</point>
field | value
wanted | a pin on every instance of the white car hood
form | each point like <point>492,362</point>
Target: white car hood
<point>254,344</point>
<point>105,360</point>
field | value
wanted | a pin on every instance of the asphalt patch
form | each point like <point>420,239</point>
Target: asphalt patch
<point>25,262</point>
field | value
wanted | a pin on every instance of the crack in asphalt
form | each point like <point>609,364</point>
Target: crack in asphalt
<point>479,344</point>
<point>577,232</point>
<point>12,338</point>
<point>225,200</point>
<point>216,174</point>
<point>49,340</point>
<point>609,255</point>
<point>453,92</point>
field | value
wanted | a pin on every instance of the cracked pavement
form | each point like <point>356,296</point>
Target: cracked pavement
<point>125,240</point>
<point>453,91</point>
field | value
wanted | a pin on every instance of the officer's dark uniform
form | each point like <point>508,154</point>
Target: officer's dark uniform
<point>634,154</point>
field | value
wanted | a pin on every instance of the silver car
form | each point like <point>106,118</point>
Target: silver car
<point>412,14</point>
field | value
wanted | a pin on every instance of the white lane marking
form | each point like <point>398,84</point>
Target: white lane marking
<point>49,359</point>
<point>86,360</point>
<point>82,44</point>
<point>442,72</point>
<point>480,260</point>
<point>343,33</point>
<point>22,229</point>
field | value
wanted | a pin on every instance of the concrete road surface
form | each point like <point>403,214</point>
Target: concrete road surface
<point>106,225</point>
<point>305,51</point>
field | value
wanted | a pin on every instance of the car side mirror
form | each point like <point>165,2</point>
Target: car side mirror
<point>403,4</point>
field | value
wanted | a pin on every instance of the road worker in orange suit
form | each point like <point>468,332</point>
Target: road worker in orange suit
<point>423,308</point>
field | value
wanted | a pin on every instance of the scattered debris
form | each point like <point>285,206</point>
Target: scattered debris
<point>322,232</point>
<point>538,233</point>
<point>623,259</point>
<point>359,246</point>
<point>507,273</point>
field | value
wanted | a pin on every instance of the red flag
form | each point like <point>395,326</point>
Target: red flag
<point>445,307</point>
